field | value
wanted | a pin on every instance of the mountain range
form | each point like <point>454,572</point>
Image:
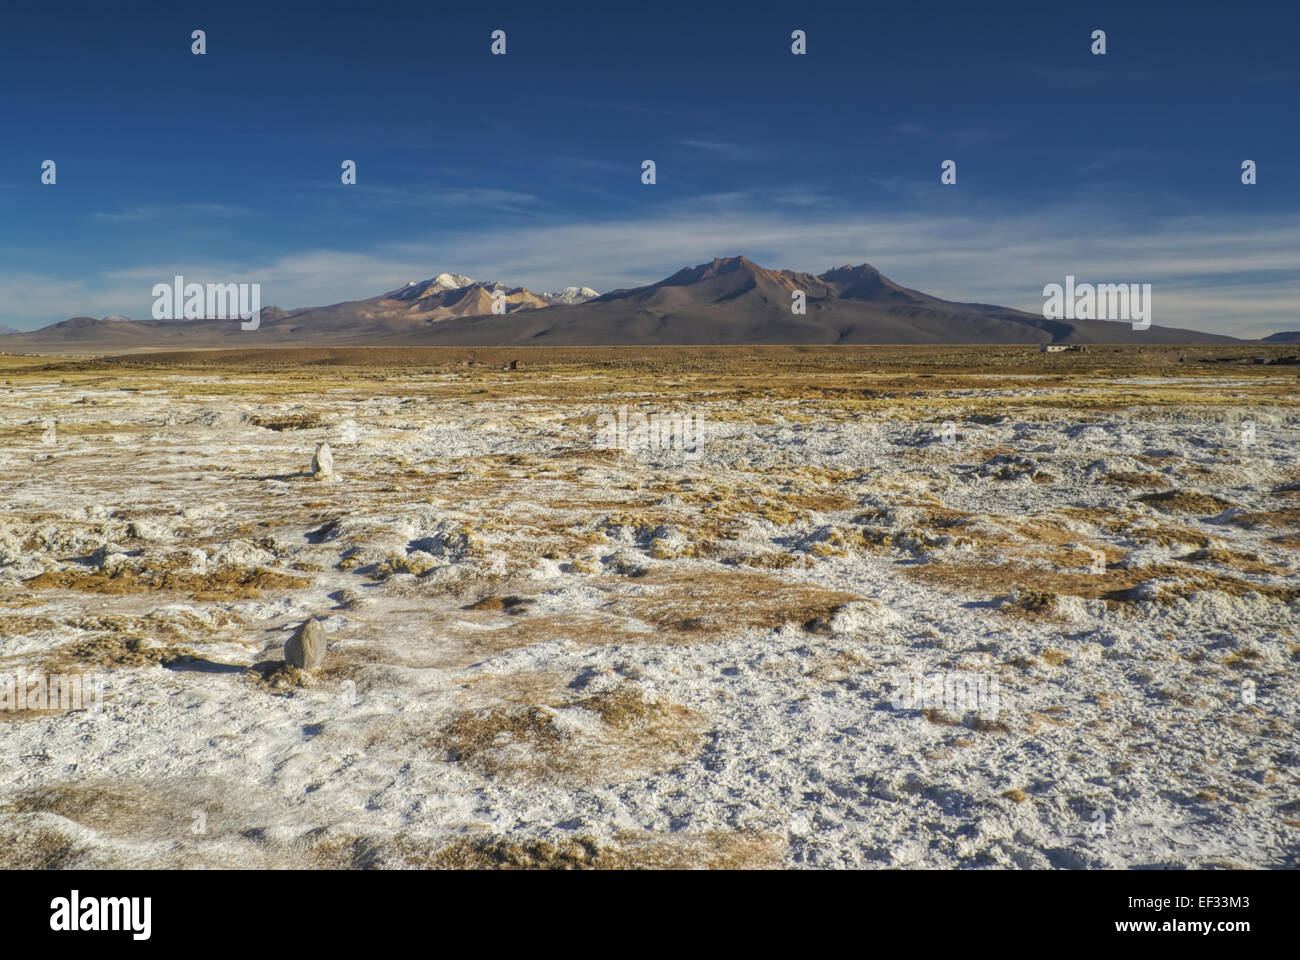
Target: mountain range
<point>728,300</point>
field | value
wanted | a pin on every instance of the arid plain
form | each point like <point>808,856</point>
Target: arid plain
<point>543,652</point>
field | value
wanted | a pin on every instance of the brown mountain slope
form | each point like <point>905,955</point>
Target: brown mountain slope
<point>733,300</point>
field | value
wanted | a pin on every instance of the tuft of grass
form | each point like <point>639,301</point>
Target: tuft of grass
<point>526,740</point>
<point>401,563</point>
<point>1286,517</point>
<point>728,599</point>
<point>1121,478</point>
<point>40,849</point>
<point>985,725</point>
<point>121,651</point>
<point>276,676</point>
<point>286,421</point>
<point>1185,501</point>
<point>938,717</point>
<point>1031,602</point>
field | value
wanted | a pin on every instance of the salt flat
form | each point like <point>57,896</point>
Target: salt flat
<point>546,653</point>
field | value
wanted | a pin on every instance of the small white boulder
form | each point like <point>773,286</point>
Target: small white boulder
<point>322,461</point>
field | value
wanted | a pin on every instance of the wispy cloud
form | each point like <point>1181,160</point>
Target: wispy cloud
<point>1110,159</point>
<point>169,211</point>
<point>723,148</point>
<point>507,201</point>
<point>960,136</point>
<point>800,196</point>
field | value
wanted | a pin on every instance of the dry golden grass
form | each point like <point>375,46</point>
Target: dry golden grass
<point>333,848</point>
<point>20,716</point>
<point>228,583</point>
<point>1038,587</point>
<point>286,421</point>
<point>715,850</point>
<point>634,735</point>
<point>115,650</point>
<point>276,676</point>
<point>1287,517</point>
<point>1165,532</point>
<point>1122,478</point>
<point>939,717</point>
<point>122,808</point>
<point>41,848</point>
<point>704,603</point>
<point>846,378</point>
<point>1037,720</point>
<point>1186,501</point>
<point>1236,559</point>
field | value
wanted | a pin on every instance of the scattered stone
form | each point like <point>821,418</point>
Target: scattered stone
<point>305,650</point>
<point>322,461</point>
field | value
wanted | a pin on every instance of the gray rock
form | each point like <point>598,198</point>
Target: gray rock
<point>322,462</point>
<point>306,648</point>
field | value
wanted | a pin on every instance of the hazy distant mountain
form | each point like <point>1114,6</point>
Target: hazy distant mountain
<point>729,300</point>
<point>734,300</point>
<point>1287,336</point>
<point>440,284</point>
<point>571,295</point>
<point>436,292</point>
<point>4,329</point>
<point>406,310</point>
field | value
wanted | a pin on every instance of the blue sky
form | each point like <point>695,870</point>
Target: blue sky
<point>526,168</point>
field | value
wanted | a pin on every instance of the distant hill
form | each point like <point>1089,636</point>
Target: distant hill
<point>734,300</point>
<point>1289,336</point>
<point>728,300</point>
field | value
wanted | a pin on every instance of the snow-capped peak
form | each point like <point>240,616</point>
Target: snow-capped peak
<point>451,281</point>
<point>572,295</point>
<point>419,289</point>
